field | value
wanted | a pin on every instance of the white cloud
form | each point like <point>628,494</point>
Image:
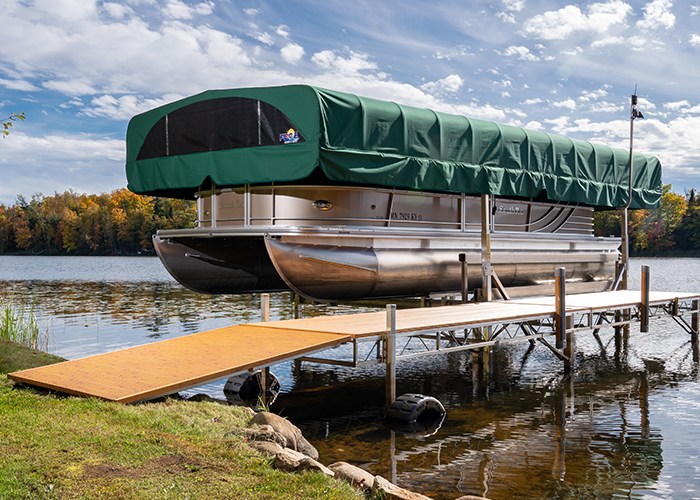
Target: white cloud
<point>18,85</point>
<point>513,5</point>
<point>657,14</point>
<point>282,30</point>
<point>534,100</point>
<point>523,53</point>
<point>124,107</point>
<point>177,9</point>
<point>506,17</point>
<point>451,83</point>
<point>562,23</point>
<point>694,40</point>
<point>354,63</point>
<point>605,107</point>
<point>117,10</point>
<point>70,87</point>
<point>252,12</point>
<point>454,52</point>
<point>592,95</point>
<point>676,105</point>
<point>83,163</point>
<point>265,38</point>
<point>66,10</point>
<point>607,41</point>
<point>566,104</point>
<point>292,53</point>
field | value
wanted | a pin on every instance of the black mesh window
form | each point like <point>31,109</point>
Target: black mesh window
<point>216,124</point>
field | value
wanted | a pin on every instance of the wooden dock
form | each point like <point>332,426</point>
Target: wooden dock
<point>164,367</point>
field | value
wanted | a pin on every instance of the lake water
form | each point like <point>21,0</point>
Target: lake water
<point>627,424</point>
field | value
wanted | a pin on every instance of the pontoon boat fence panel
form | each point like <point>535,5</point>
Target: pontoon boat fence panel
<point>285,134</point>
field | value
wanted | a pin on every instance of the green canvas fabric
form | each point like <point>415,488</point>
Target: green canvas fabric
<point>368,142</point>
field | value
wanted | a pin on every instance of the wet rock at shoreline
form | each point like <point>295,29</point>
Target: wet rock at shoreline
<point>392,492</point>
<point>295,440</point>
<point>352,474</point>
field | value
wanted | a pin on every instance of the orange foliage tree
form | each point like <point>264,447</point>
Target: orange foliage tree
<point>116,223</point>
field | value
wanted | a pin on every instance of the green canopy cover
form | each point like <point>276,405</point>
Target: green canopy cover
<point>286,134</point>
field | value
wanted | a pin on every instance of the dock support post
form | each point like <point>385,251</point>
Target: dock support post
<point>265,306</point>
<point>560,306</point>
<point>465,278</point>
<point>265,372</point>
<point>569,347</point>
<point>644,320</point>
<point>695,327</point>
<point>390,353</point>
<point>487,293</point>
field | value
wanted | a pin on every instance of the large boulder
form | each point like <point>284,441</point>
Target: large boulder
<point>288,460</point>
<point>267,448</point>
<point>392,492</point>
<point>352,474</point>
<point>264,433</point>
<point>295,440</point>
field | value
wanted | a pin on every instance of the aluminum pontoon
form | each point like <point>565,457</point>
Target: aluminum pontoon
<point>341,197</point>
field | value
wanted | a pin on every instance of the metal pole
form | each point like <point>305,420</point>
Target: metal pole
<point>634,113</point>
<point>644,322</point>
<point>265,372</point>
<point>265,306</point>
<point>560,305</point>
<point>390,353</point>
<point>624,249</point>
<point>695,327</point>
<point>465,277</point>
<point>487,294</point>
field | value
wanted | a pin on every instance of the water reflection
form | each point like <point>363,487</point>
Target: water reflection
<point>594,436</point>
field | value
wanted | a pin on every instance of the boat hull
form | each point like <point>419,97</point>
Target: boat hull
<point>351,266</point>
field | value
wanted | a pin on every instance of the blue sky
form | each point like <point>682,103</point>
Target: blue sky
<point>80,69</point>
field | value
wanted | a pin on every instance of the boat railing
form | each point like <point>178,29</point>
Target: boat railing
<point>297,205</point>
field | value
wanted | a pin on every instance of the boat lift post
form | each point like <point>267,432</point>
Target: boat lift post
<point>644,309</point>
<point>486,270</point>
<point>265,377</point>
<point>390,354</point>
<point>465,277</point>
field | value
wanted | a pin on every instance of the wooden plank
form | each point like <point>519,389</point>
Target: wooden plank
<point>164,367</point>
<point>608,300</point>
<point>410,320</point>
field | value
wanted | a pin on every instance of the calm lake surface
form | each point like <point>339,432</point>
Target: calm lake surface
<point>627,425</point>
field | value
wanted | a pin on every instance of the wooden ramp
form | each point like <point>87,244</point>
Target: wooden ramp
<point>161,368</point>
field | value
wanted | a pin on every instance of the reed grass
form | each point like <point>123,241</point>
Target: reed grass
<point>18,324</point>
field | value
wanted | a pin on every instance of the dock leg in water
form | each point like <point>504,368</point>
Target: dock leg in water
<point>390,353</point>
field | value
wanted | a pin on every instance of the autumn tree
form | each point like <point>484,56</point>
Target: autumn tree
<point>687,234</point>
<point>116,223</point>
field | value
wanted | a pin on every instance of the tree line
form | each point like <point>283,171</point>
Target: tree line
<point>122,223</point>
<point>671,229</point>
<point>116,223</point>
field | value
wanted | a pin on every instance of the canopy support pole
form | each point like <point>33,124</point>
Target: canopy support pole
<point>486,269</point>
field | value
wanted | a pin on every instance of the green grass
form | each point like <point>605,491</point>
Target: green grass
<point>14,357</point>
<point>68,447</point>
<point>19,324</point>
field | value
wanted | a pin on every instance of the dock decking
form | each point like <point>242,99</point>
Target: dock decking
<point>164,367</point>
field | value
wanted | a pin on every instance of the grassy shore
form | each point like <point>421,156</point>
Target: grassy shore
<point>67,447</point>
